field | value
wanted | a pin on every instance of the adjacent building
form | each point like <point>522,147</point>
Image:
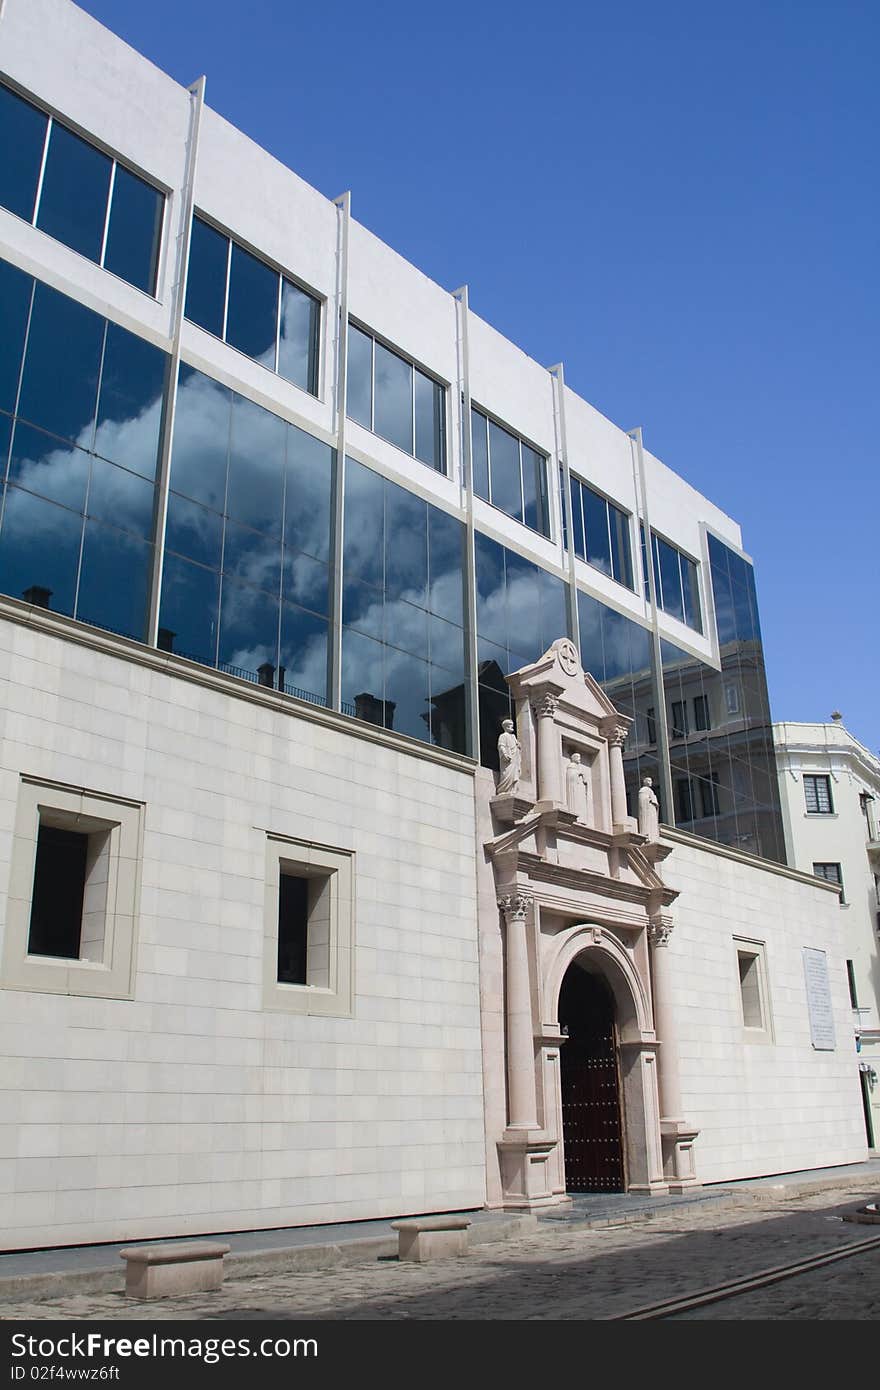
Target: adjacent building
<point>287,532</point>
<point>830,791</point>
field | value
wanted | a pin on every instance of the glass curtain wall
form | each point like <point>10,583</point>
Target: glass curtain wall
<point>246,578</point>
<point>248,558</point>
<point>403,650</point>
<point>81,405</point>
<point>521,610</point>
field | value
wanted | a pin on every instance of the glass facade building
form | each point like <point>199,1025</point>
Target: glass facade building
<point>148,493</point>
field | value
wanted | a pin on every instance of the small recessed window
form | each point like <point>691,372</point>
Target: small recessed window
<point>71,920</point>
<point>817,796</point>
<point>753,992</point>
<point>304,929</point>
<point>851,981</point>
<point>679,719</point>
<point>309,929</point>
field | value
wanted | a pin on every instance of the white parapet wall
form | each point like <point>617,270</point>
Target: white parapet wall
<point>764,1098</point>
<point>190,1106</point>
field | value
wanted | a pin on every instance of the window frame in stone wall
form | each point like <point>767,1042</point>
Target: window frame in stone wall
<point>108,970</point>
<point>331,991</point>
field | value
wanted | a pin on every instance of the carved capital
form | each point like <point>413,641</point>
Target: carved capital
<point>516,904</point>
<point>617,735</point>
<point>545,707</point>
<point>660,930</point>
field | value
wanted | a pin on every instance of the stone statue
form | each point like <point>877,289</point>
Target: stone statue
<point>576,787</point>
<point>509,759</point>
<point>649,812</point>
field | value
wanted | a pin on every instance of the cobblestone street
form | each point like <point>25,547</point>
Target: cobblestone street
<point>560,1273</point>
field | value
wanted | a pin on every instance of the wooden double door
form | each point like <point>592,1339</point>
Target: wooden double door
<point>592,1131</point>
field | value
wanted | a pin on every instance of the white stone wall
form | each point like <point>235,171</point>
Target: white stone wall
<point>188,1107</point>
<point>761,1106</point>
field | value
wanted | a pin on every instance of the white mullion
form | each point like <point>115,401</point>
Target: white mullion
<point>45,156</point>
<point>107,213</point>
<point>278,303</point>
<point>226,293</point>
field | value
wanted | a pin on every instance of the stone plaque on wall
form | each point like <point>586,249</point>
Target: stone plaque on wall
<point>819,999</point>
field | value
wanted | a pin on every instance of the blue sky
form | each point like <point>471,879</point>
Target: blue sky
<point>680,202</point>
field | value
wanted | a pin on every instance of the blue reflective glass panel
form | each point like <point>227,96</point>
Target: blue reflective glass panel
<point>200,448</point>
<point>303,654</point>
<point>491,590</point>
<point>670,579</point>
<point>406,545</point>
<point>446,650</point>
<point>134,230</point>
<point>252,314</point>
<point>73,199</point>
<point>307,494</point>
<point>121,498</point>
<point>359,398</point>
<point>393,408</point>
<point>59,389</point>
<point>206,277</point>
<point>252,556</point>
<point>305,581</point>
<point>298,337</point>
<point>621,555</point>
<point>114,580</point>
<point>45,465</point>
<point>22,135</point>
<point>534,470</point>
<point>193,531</point>
<point>364,524</point>
<point>39,545</point>
<point>504,465</point>
<point>446,537</point>
<point>430,400</point>
<point>256,466</point>
<point>524,635</point>
<point>15,300</point>
<point>480,453</point>
<point>406,627</point>
<point>690,591</point>
<point>188,612</point>
<point>363,607</point>
<point>248,629</point>
<point>596,527</point>
<point>363,677</point>
<point>407,690</point>
<point>577,508</point>
<point>554,607</point>
<point>130,401</point>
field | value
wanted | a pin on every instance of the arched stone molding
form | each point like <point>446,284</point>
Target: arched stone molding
<point>637,1050</point>
<point>634,1018</point>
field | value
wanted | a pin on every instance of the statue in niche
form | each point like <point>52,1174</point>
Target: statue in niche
<point>509,760</point>
<point>577,787</point>
<point>649,811</point>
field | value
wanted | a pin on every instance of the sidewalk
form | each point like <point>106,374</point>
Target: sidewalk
<point>50,1274</point>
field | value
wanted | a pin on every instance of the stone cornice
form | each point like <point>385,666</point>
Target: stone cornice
<point>681,837</point>
<point>179,668</point>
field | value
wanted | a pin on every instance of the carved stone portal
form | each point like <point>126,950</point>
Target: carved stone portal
<point>578,887</point>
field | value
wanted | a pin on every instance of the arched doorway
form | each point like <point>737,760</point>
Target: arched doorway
<point>592,1130</point>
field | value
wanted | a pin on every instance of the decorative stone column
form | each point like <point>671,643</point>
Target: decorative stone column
<point>616,740</point>
<point>549,755</point>
<point>522,1100</point>
<point>677,1135</point>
